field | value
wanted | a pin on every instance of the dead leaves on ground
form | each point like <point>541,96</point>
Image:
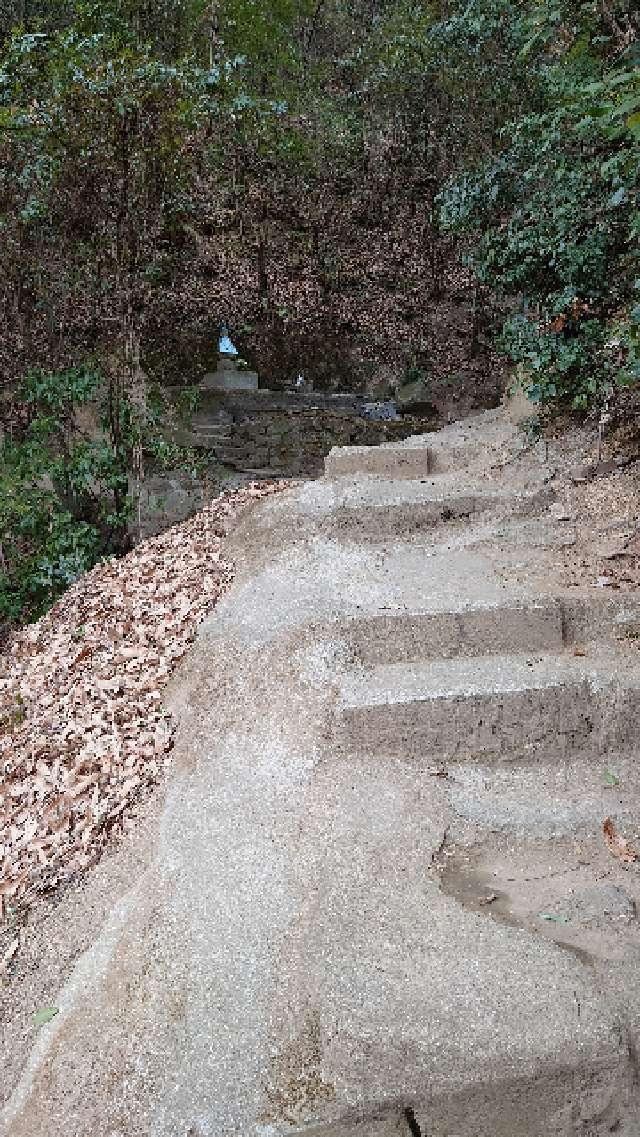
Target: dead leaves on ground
<point>83,730</point>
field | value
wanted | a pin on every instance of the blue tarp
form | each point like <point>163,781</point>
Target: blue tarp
<point>225,346</point>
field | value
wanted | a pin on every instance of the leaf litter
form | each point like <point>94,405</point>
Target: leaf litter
<point>83,729</point>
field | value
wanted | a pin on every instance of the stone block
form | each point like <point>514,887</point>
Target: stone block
<point>229,453</point>
<point>257,457</point>
<point>222,380</point>
<point>399,462</point>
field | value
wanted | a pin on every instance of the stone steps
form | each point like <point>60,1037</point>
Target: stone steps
<point>380,508</point>
<point>394,602</point>
<point>547,801</point>
<point>426,1011</point>
<point>215,429</point>
<point>365,720</point>
<point>211,436</point>
<point>495,709</point>
<point>382,461</point>
<point>415,512</point>
<point>476,443</point>
<point>414,636</point>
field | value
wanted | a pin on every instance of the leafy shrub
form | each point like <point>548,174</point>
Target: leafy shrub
<point>69,479</point>
<point>554,211</point>
<point>63,496</point>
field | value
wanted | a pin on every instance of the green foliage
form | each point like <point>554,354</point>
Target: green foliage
<point>188,403</point>
<point>554,210</point>
<point>169,27</point>
<point>269,36</point>
<point>67,485</point>
<point>45,479</point>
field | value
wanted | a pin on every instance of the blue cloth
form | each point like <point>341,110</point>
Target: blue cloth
<point>225,347</point>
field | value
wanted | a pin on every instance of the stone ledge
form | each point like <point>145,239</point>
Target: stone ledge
<point>228,381</point>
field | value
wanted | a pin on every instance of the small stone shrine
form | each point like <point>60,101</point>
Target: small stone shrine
<point>231,374</point>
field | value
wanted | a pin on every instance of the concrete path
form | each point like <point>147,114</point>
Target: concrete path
<point>381,902</point>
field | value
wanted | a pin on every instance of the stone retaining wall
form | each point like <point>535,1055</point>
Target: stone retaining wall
<point>297,442</point>
<point>259,434</point>
<point>285,434</point>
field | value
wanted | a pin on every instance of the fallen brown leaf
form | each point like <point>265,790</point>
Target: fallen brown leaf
<point>617,844</point>
<point>9,954</point>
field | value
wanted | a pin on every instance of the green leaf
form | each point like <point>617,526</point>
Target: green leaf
<point>553,918</point>
<point>610,779</point>
<point>45,1015</point>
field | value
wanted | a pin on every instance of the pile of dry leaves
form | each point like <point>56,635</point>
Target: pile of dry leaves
<point>83,729</point>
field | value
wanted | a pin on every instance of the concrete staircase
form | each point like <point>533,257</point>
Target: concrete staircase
<point>381,902</point>
<point>498,708</point>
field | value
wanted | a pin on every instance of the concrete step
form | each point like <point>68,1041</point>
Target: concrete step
<point>469,445</point>
<point>414,636</point>
<point>265,473</point>
<point>378,461</point>
<point>500,708</point>
<point>413,985</point>
<point>473,444</point>
<point>230,454</point>
<point>561,886</point>
<point>379,508</point>
<point>567,799</point>
<point>397,601</point>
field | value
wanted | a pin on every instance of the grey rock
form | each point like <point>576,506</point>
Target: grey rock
<point>379,412</point>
